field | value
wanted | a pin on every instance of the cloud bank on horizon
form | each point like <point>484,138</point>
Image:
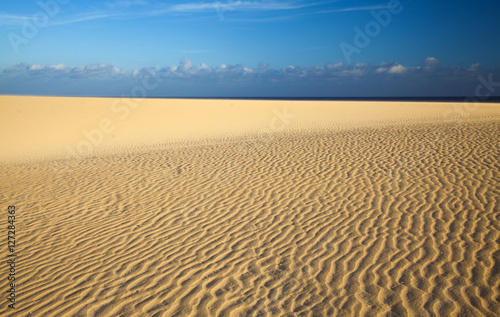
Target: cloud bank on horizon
<point>187,79</point>
<point>249,48</point>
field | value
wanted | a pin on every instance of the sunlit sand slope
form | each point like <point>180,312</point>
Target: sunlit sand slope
<point>39,127</point>
<point>395,220</point>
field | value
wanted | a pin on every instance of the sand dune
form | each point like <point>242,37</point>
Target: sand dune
<point>352,209</point>
<point>43,127</point>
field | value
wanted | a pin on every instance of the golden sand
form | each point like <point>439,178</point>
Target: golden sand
<point>251,208</point>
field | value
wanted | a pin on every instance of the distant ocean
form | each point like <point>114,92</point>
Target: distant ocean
<point>415,99</point>
<point>492,99</point>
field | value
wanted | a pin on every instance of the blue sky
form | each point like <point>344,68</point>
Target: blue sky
<point>249,48</point>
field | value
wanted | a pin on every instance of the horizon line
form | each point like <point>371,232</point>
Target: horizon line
<point>492,99</point>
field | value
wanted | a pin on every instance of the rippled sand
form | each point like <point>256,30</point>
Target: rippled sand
<point>226,208</point>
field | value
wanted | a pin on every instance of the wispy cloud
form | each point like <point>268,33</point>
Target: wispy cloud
<point>243,6</point>
<point>360,8</point>
<point>308,13</point>
<point>10,19</point>
<point>90,17</point>
<point>120,9</point>
<point>126,3</point>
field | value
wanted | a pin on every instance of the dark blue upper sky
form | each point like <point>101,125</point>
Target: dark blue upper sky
<point>249,48</point>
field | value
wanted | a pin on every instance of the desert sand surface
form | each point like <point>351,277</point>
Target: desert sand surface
<point>251,208</point>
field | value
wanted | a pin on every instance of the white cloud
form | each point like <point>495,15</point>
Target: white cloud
<point>118,71</point>
<point>59,67</point>
<point>333,79</point>
<point>186,70</point>
<point>334,65</point>
<point>431,62</point>
<point>185,64</point>
<point>473,67</point>
<point>203,67</point>
<point>221,68</point>
<point>397,69</point>
<point>248,70</point>
<point>362,65</point>
<point>36,67</point>
<point>263,65</point>
<point>356,72</point>
<point>99,66</point>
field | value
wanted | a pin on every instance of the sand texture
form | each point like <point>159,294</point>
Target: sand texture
<point>347,209</point>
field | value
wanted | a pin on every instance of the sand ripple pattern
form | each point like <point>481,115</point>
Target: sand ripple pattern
<point>395,221</point>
